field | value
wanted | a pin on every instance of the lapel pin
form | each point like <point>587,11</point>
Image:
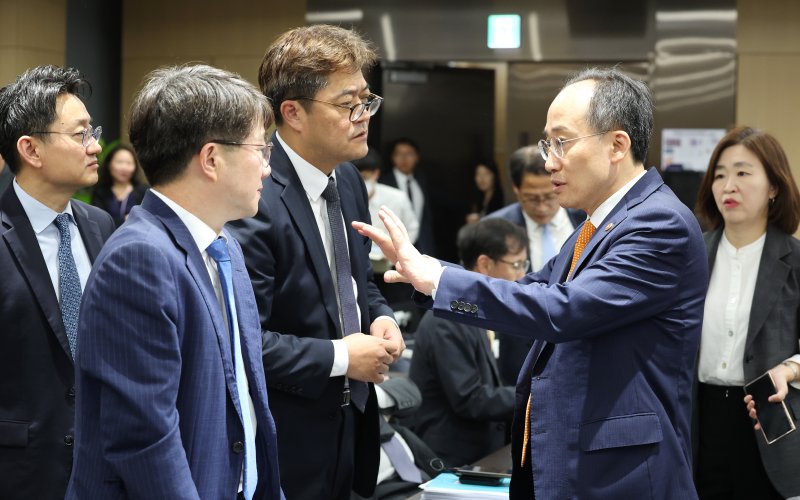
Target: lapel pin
<point>609,226</point>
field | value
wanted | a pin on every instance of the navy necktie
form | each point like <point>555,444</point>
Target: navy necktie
<point>344,280</point>
<point>218,250</point>
<point>69,283</point>
<point>409,190</point>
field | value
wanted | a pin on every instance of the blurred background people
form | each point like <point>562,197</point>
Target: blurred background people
<point>488,195</point>
<point>119,187</point>
<point>6,176</point>
<point>751,324</point>
<point>465,403</point>
<point>547,225</point>
<point>404,175</point>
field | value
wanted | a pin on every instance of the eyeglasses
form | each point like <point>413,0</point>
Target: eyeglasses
<point>86,134</point>
<point>264,149</point>
<point>556,145</point>
<point>356,110</point>
<point>538,199</point>
<point>517,264</point>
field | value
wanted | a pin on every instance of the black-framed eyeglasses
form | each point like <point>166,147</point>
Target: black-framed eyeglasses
<point>538,199</point>
<point>371,105</point>
<point>517,264</point>
<point>264,149</point>
<point>556,145</point>
<point>85,134</point>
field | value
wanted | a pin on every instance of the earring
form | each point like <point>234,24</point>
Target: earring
<point>771,201</point>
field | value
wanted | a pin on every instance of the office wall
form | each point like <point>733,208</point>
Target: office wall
<point>32,33</point>
<point>767,94</point>
<point>232,35</point>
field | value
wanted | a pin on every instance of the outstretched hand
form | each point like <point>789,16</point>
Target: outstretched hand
<point>410,265</point>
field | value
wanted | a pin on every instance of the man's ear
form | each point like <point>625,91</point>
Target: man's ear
<point>209,159</point>
<point>484,264</point>
<point>293,114</point>
<point>28,149</point>
<point>621,146</point>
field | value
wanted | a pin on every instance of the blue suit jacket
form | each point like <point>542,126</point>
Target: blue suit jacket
<point>158,415</point>
<point>610,374</point>
<point>300,316</point>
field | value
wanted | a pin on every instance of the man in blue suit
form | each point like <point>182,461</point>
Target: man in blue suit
<point>329,334</point>
<point>172,400</point>
<point>604,398</point>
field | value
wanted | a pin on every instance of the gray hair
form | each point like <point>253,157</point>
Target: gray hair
<point>181,108</point>
<point>619,103</point>
<point>29,105</point>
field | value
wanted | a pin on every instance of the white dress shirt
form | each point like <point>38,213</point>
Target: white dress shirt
<point>42,219</point>
<point>560,228</point>
<point>418,201</point>
<point>314,182</point>
<point>726,315</point>
<point>397,201</point>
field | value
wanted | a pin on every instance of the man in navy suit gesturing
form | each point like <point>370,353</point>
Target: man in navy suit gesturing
<point>172,401</point>
<point>603,400</point>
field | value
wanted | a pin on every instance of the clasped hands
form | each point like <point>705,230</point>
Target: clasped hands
<point>370,355</point>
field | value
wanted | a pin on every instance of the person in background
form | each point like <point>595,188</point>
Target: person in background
<point>405,175</point>
<point>48,242</point>
<point>119,187</point>
<point>172,401</point>
<point>547,225</point>
<point>751,324</point>
<point>465,404</point>
<point>488,195</point>
<point>603,401</point>
<point>328,333</point>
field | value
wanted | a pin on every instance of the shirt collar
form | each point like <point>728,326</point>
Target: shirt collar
<point>202,234</point>
<point>39,214</point>
<point>607,206</point>
<point>558,220</point>
<point>314,181</point>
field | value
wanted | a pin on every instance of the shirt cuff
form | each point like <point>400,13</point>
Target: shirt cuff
<point>341,360</point>
<point>389,318</point>
<point>796,359</point>
<point>436,281</point>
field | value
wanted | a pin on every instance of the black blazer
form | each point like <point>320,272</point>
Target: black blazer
<point>103,196</point>
<point>425,240</point>
<point>299,315</point>
<point>772,337</point>
<point>37,396</point>
<point>464,402</point>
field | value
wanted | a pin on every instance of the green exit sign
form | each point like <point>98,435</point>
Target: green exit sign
<point>504,31</point>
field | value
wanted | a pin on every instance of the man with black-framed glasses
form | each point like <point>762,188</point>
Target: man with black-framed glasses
<point>328,333</point>
<point>47,245</point>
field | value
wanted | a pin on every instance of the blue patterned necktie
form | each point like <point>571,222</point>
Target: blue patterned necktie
<point>69,283</point>
<point>344,280</point>
<point>218,250</point>
<point>548,245</point>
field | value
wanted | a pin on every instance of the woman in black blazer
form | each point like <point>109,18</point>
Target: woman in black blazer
<point>119,186</point>
<point>752,317</point>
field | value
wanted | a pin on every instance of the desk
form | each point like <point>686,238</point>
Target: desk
<point>498,461</point>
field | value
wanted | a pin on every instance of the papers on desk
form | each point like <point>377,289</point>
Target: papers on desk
<point>446,486</point>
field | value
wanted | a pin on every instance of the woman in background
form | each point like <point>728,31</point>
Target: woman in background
<point>118,187</point>
<point>750,201</point>
<point>488,194</point>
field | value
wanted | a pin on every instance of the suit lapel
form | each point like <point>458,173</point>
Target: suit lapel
<point>298,207</point>
<point>90,231</point>
<point>772,274</point>
<point>18,234</point>
<point>488,355</point>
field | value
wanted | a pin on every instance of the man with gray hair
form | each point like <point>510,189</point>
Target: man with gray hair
<point>172,398</point>
<point>603,401</point>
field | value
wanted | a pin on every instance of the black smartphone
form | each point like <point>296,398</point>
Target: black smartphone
<point>469,476</point>
<point>776,419</point>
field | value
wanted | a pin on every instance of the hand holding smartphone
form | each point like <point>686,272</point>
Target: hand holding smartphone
<point>776,419</point>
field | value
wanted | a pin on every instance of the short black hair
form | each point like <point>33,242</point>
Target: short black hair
<point>403,140</point>
<point>29,105</point>
<point>526,160</point>
<point>492,237</point>
<point>369,163</point>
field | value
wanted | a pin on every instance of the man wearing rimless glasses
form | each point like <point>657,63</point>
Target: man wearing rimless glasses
<point>47,245</point>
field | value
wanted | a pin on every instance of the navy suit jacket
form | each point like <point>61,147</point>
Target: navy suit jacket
<point>37,395</point>
<point>610,375</point>
<point>300,316</point>
<point>158,413</point>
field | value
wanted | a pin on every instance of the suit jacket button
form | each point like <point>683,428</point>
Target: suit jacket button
<point>71,392</point>
<point>68,440</point>
<point>454,305</point>
<point>461,306</point>
<point>238,447</point>
<point>473,308</point>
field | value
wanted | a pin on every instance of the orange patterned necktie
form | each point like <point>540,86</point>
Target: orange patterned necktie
<point>583,238</point>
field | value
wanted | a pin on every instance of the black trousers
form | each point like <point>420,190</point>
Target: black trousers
<point>729,464</point>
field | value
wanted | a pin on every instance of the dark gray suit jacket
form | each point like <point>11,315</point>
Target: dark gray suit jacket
<point>772,337</point>
<point>464,402</point>
<point>37,395</point>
